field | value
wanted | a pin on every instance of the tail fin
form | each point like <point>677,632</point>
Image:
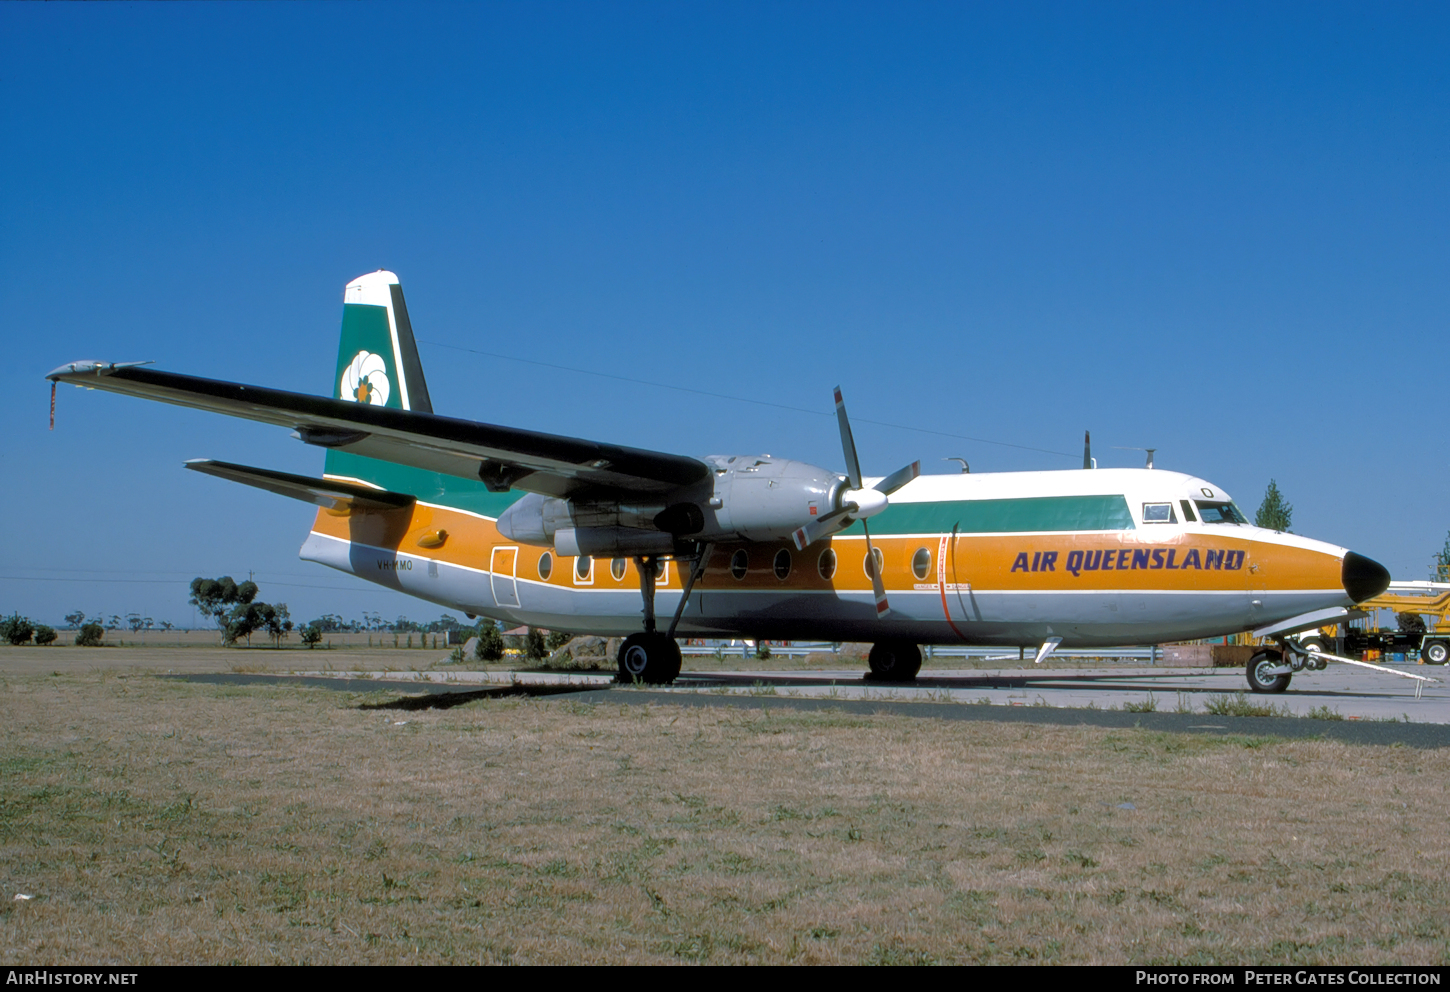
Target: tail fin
<point>377,358</point>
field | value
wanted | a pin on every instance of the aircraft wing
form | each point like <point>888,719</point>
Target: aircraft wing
<point>502,457</point>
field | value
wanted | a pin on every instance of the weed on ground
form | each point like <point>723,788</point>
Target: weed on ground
<point>1239,704</point>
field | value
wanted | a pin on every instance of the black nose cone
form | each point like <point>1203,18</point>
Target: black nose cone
<point>1364,578</point>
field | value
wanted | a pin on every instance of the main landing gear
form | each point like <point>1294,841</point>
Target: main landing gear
<point>649,656</point>
<point>893,661</point>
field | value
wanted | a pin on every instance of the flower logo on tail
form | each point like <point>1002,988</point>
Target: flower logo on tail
<point>365,380</point>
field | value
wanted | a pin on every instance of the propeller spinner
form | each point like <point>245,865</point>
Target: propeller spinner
<point>857,503</point>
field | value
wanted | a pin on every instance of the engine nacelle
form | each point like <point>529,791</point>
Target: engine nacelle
<point>612,529</point>
<point>748,497</point>
<point>760,498</point>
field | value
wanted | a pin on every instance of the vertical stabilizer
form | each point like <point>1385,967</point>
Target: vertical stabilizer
<point>377,358</point>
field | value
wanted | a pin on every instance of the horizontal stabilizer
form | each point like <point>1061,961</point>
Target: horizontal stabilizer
<point>323,492</point>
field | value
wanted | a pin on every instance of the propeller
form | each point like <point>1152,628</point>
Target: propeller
<point>857,503</point>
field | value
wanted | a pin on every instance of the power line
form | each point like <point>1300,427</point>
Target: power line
<point>739,399</point>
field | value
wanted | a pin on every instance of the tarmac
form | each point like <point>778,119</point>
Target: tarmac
<point>1351,692</point>
<point>1373,707</point>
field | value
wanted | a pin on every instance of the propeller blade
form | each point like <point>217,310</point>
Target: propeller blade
<point>897,479</point>
<point>848,444</point>
<point>877,586</point>
<point>812,532</point>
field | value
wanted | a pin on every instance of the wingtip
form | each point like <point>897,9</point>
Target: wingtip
<point>88,366</point>
<point>72,368</point>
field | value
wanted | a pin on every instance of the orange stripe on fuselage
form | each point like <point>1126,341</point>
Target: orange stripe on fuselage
<point>1063,562</point>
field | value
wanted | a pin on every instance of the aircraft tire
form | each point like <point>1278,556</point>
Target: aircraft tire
<point>1265,682</point>
<point>1435,652</point>
<point>653,659</point>
<point>1314,644</point>
<point>894,661</point>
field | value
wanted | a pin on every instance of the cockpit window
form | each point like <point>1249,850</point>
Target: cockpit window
<point>1219,513</point>
<point>1158,513</point>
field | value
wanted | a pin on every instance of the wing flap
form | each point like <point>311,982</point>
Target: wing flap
<point>503,457</point>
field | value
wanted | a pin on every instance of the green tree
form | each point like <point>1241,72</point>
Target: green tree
<point>557,639</point>
<point>490,642</point>
<point>1275,513</point>
<point>91,635</point>
<point>246,619</point>
<point>312,635</point>
<point>218,598</point>
<point>1442,563</point>
<point>533,646</point>
<point>44,635</point>
<point>16,629</point>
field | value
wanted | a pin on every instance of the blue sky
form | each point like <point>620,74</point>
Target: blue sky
<point>1215,229</point>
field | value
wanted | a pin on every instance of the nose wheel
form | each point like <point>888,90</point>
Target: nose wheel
<point>1267,672</point>
<point>649,657</point>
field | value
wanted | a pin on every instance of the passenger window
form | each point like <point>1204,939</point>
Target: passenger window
<point>1188,511</point>
<point>1158,513</point>
<point>921,564</point>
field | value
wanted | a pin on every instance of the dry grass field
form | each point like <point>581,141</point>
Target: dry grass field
<point>159,821</point>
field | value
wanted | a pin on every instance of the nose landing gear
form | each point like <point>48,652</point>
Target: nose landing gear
<point>1267,672</point>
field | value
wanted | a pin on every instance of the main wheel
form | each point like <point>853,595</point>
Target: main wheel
<point>894,661</point>
<point>650,658</point>
<point>1261,679</point>
<point>1435,652</point>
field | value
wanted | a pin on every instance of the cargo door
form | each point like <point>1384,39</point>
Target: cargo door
<point>503,568</point>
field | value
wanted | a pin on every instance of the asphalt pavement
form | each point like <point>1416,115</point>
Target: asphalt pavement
<point>1343,702</point>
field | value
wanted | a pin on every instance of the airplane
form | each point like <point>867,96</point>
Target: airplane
<point>568,534</point>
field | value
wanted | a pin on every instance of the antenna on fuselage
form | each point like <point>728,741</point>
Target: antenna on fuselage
<point>1123,447</point>
<point>1087,450</point>
<point>966,469</point>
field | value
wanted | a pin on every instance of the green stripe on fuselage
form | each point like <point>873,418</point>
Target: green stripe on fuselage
<point>1040,514</point>
<point>430,487</point>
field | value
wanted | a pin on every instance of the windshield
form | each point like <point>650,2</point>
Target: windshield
<point>1219,513</point>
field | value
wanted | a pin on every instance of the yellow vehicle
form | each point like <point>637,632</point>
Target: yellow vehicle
<point>1429,601</point>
